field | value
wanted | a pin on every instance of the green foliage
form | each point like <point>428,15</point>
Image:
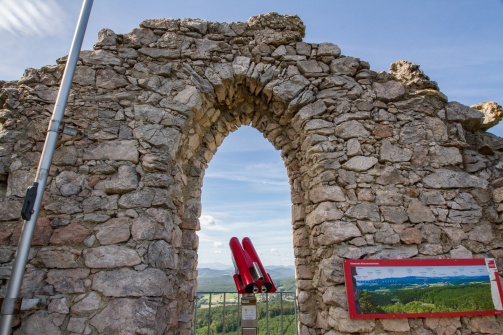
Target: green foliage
<point>287,285</point>
<point>216,284</point>
<point>458,298</point>
<point>270,318</point>
<point>273,315</point>
<point>369,303</point>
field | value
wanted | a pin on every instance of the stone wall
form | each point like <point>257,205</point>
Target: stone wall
<point>381,165</point>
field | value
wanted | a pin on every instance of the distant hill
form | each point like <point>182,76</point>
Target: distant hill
<point>215,266</point>
<point>213,273</point>
<point>220,280</point>
<point>281,271</point>
<point>410,281</point>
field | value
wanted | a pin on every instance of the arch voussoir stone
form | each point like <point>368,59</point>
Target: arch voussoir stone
<point>380,165</point>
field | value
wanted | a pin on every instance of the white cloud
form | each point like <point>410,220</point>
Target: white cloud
<point>208,223</point>
<point>254,175</point>
<point>274,251</point>
<point>207,220</point>
<point>218,244</point>
<point>32,17</point>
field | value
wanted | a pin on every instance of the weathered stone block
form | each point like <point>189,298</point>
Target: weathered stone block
<point>498,194</point>
<point>76,325</point>
<point>59,257</point>
<point>69,183</point>
<point>99,57</point>
<point>393,153</point>
<point>161,255</point>
<point>6,255</point>
<point>482,233</point>
<point>41,235</point>
<point>360,163</point>
<point>470,118</point>
<point>88,305</point>
<point>142,198</point>
<point>68,281</point>
<point>111,257</point>
<point>395,325</point>
<point>442,326</point>
<point>336,295</point>
<point>58,306</point>
<point>131,283</point>
<point>38,323</point>
<point>325,211</point>
<point>61,205</point>
<point>338,231</point>
<point>386,235</point>
<point>351,129</point>
<point>11,209</point>
<point>19,181</point>
<point>443,178</point>
<point>309,66</point>
<point>84,76</point>
<point>388,91</point>
<point>328,49</point>
<point>113,231</point>
<point>109,79</point>
<point>364,211</point>
<point>484,324</point>
<point>339,319</point>
<point>289,89</point>
<point>401,252</point>
<point>412,133</point>
<point>411,236</point>
<point>446,155</point>
<point>344,66</point>
<point>125,181</point>
<point>120,317</point>
<point>323,192</point>
<point>72,234</point>
<point>114,150</point>
<point>460,252</point>
<point>418,212</point>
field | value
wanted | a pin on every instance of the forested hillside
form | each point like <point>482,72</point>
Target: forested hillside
<point>211,280</point>
<point>218,313</point>
<point>276,315</point>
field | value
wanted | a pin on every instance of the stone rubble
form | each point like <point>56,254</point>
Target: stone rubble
<point>381,165</point>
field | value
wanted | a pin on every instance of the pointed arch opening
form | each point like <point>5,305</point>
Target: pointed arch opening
<point>246,193</point>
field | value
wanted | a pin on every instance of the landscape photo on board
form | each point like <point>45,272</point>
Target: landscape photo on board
<point>424,289</point>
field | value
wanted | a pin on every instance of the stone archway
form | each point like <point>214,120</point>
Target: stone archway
<point>380,166</point>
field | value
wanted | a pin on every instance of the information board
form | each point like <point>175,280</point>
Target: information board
<point>422,288</point>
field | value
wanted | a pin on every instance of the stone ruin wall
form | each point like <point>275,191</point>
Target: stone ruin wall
<point>381,165</point>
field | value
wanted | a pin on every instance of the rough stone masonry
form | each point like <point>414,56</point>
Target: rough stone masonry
<point>381,165</point>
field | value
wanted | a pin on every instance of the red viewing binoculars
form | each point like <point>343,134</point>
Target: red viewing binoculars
<point>250,276</point>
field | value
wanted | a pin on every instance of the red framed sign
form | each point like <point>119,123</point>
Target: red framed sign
<point>409,288</point>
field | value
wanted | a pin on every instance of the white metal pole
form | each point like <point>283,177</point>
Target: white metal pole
<point>34,194</point>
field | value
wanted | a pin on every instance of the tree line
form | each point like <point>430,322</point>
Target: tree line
<point>276,316</point>
<point>459,298</point>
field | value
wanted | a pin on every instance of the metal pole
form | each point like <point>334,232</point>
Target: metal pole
<point>195,314</point>
<point>223,316</point>
<point>295,312</point>
<point>239,314</point>
<point>32,204</point>
<point>281,309</point>
<point>209,315</point>
<point>267,313</point>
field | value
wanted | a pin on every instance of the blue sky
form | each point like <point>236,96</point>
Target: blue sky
<point>457,43</point>
<point>371,272</point>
